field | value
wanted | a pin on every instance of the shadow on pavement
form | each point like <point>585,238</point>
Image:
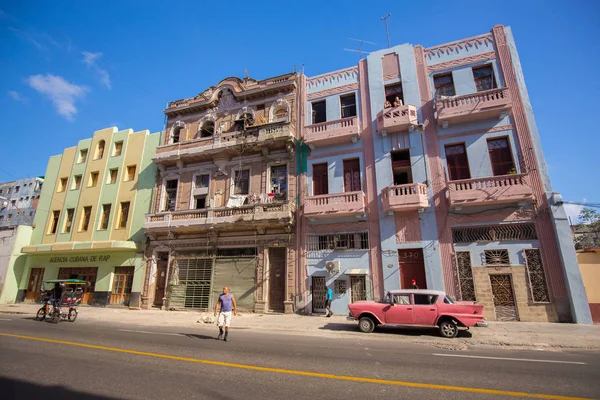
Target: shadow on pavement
<point>194,336</point>
<point>16,389</point>
<point>404,331</point>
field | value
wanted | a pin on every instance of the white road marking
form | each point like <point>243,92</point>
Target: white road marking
<point>5,319</point>
<point>151,333</point>
<point>510,359</point>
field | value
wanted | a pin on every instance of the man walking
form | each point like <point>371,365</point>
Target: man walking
<point>328,298</point>
<point>227,303</point>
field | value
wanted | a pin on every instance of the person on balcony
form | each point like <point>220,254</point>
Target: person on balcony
<point>387,104</point>
<point>398,102</point>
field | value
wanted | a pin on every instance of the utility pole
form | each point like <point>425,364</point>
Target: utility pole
<point>387,33</point>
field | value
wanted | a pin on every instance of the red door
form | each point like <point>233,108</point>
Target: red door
<point>412,267</point>
<point>401,312</point>
<point>320,179</point>
<point>352,175</point>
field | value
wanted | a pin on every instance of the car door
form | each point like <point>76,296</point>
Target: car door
<point>425,309</point>
<point>401,311</point>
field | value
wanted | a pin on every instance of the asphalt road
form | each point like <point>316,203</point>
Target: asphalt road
<point>86,360</point>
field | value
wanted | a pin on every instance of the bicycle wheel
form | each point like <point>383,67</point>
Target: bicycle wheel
<point>55,316</point>
<point>72,315</point>
<point>41,314</point>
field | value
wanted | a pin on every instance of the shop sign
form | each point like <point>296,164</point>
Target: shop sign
<point>80,259</point>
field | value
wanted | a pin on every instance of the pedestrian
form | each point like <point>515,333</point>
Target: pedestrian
<point>414,284</point>
<point>328,298</point>
<point>226,302</point>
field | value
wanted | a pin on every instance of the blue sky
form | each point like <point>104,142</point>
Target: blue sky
<point>70,68</point>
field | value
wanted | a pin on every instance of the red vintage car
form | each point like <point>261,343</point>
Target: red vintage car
<point>418,307</point>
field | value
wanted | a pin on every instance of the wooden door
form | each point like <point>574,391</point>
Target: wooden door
<point>352,175</point>
<point>412,266</point>
<point>277,278</point>
<point>318,294</point>
<point>504,298</point>
<point>161,278</point>
<point>358,286</point>
<point>320,179</point>
<point>34,285</point>
<point>122,283</point>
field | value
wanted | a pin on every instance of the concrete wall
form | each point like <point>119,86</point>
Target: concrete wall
<point>589,264</point>
<point>12,262</point>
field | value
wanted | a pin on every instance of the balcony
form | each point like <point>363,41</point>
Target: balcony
<point>202,149</point>
<point>492,190</point>
<point>494,103</point>
<point>396,119</point>
<point>338,204</point>
<point>404,197</point>
<point>332,132</point>
<point>268,214</point>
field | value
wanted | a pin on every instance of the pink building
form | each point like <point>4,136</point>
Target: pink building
<point>424,166</point>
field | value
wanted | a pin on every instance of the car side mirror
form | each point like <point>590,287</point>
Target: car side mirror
<point>392,303</point>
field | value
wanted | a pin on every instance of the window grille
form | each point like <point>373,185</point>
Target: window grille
<point>494,233</point>
<point>536,276</point>
<point>497,258</point>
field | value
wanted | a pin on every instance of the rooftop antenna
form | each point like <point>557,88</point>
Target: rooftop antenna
<point>387,33</point>
<point>360,51</point>
<point>246,72</point>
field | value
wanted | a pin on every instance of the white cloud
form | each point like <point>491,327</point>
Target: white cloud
<point>573,211</point>
<point>91,60</point>
<point>62,93</point>
<point>17,96</point>
<point>28,37</point>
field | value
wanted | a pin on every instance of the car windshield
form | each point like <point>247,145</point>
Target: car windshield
<point>448,300</point>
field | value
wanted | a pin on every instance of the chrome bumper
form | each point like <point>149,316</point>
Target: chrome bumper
<point>350,318</point>
<point>482,324</point>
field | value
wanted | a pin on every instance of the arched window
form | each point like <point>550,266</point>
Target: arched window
<point>279,111</point>
<point>280,114</point>
<point>100,150</point>
<point>176,132</point>
<point>207,129</point>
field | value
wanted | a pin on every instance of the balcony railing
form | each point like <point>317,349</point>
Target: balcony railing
<point>335,204</point>
<point>396,119</point>
<point>492,190</point>
<point>475,106</point>
<point>407,197</point>
<point>332,132</point>
<point>270,213</point>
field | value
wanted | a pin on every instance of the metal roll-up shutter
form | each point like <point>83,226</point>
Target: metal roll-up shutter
<point>238,274</point>
<point>192,283</point>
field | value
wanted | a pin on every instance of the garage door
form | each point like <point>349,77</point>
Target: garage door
<point>239,275</point>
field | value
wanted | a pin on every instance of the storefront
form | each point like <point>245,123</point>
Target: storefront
<point>115,277</point>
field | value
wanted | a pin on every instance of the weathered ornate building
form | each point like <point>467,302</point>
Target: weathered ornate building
<point>225,198</point>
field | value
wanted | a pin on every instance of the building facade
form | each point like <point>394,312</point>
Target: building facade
<point>90,218</point>
<point>18,201</point>
<point>225,198</point>
<point>434,152</point>
<point>589,264</point>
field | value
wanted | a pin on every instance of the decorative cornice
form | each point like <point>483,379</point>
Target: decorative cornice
<point>350,72</point>
<point>332,91</point>
<point>462,61</point>
<point>455,47</point>
<point>478,132</point>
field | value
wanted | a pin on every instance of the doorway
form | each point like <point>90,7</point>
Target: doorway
<point>161,278</point>
<point>34,284</point>
<point>358,287</point>
<point>412,267</point>
<point>277,256</point>
<point>352,175</point>
<point>504,298</point>
<point>88,274</point>
<point>320,179</point>
<point>318,294</point>
<point>122,283</point>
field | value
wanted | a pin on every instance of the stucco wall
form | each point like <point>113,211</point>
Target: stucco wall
<point>12,261</point>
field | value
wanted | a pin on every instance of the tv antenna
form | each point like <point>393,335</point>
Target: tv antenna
<point>360,51</point>
<point>387,33</point>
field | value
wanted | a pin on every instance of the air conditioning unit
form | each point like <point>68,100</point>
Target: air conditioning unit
<point>333,267</point>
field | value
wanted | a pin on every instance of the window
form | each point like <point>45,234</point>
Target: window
<point>348,103</point>
<point>484,78</point>
<point>62,184</point>
<point>320,179</point>
<point>341,286</point>
<point>401,167</point>
<point>93,178</point>
<point>341,241</point>
<point>444,85</point>
<point>402,299</point>
<point>85,218</point>
<point>76,182</point>
<point>207,129</point>
<point>200,202</point>
<point>112,175</point>
<point>54,221</point>
<point>501,157</point>
<point>9,218</point>
<point>124,215</point>
<point>82,156</point>
<point>1,218</point>
<point>175,136</point>
<point>100,150</point>
<point>118,149</point>
<point>458,164</point>
<point>13,203</point>
<point>424,299</point>
<point>202,181</point>
<point>27,198</point>
<point>69,220</point>
<point>105,216</point>
<point>171,194</point>
<point>130,172</point>
<point>352,175</point>
<point>278,187</point>
<point>17,189</point>
<point>280,114</point>
<point>319,112</point>
<point>494,258</point>
<point>242,181</point>
<point>394,95</point>
<point>31,213</point>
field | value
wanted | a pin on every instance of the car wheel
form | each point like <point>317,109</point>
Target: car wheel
<point>366,325</point>
<point>448,329</point>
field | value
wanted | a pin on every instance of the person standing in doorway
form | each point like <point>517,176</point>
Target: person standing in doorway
<point>414,284</point>
<point>328,298</point>
<point>225,304</point>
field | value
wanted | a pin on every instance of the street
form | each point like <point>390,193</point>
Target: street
<point>91,360</point>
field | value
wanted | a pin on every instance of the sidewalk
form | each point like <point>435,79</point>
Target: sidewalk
<point>504,334</point>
